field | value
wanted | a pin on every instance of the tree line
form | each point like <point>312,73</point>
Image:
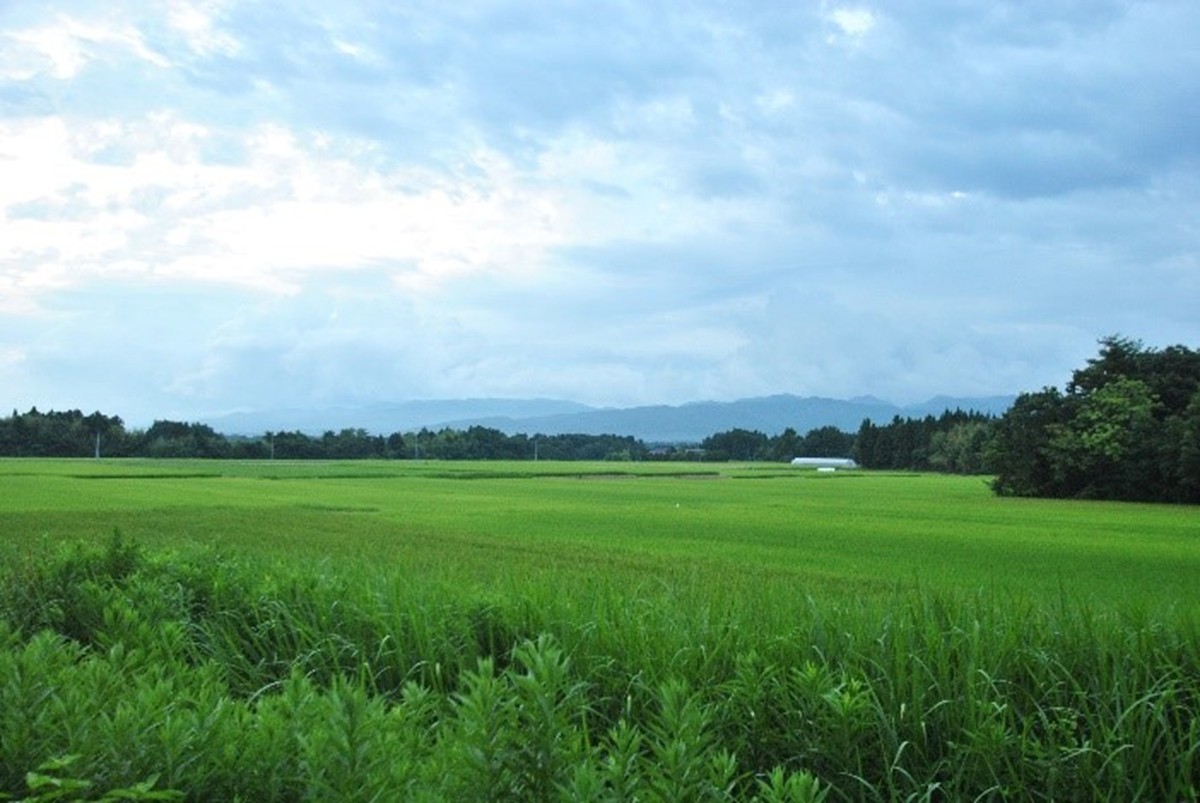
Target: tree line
<point>1126,427</point>
<point>955,442</point>
<point>72,434</point>
<point>918,444</point>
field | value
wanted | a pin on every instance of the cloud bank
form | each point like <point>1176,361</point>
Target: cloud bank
<point>212,206</point>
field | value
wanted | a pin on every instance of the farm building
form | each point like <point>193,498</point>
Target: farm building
<point>824,462</point>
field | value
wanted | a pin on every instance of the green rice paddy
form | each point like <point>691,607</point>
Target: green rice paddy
<point>816,533</point>
<point>605,631</point>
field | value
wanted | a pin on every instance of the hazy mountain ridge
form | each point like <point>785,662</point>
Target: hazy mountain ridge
<point>386,418</point>
<point>689,422</point>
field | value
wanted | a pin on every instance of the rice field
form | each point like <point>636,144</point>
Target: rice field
<point>609,631</point>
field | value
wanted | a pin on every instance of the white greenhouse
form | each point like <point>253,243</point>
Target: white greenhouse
<point>824,462</point>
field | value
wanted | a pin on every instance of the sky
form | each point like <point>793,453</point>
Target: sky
<point>228,205</point>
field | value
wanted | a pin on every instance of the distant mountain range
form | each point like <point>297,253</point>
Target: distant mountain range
<point>686,423</point>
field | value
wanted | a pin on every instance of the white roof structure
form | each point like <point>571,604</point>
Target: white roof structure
<point>824,462</point>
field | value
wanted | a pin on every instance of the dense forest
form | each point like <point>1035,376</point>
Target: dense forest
<point>955,442</point>
<point>73,434</point>
<point>1126,427</point>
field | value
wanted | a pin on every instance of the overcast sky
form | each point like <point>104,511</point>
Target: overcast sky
<point>221,205</point>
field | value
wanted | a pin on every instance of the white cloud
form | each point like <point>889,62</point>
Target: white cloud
<point>65,47</point>
<point>198,22</point>
<point>646,205</point>
<point>10,357</point>
<point>852,21</point>
<point>292,203</point>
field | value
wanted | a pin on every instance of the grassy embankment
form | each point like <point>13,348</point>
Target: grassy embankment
<point>536,631</point>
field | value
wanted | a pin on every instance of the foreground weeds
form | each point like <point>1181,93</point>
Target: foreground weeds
<point>209,676</point>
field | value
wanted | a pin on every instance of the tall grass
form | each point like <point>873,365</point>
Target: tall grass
<point>224,675</point>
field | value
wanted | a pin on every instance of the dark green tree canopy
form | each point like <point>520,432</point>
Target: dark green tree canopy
<point>954,442</point>
<point>1126,428</point>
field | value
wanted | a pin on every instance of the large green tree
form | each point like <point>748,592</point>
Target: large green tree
<point>1108,446</point>
<point>736,444</point>
<point>1020,448</point>
<point>1187,434</point>
<point>1126,428</point>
